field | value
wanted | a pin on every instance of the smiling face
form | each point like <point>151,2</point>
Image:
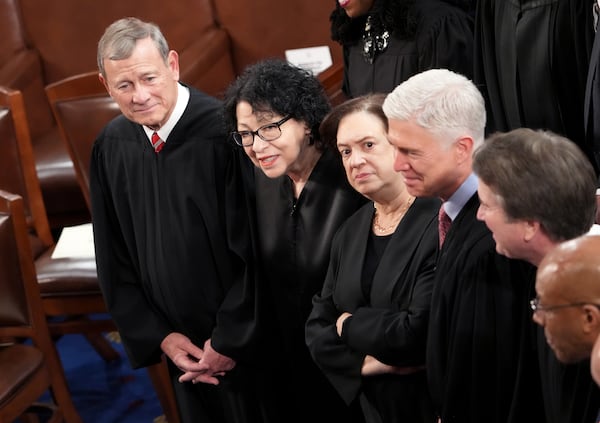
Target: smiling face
<point>510,235</point>
<point>356,8</point>
<point>143,85</point>
<point>429,166</point>
<point>367,155</point>
<point>281,156</point>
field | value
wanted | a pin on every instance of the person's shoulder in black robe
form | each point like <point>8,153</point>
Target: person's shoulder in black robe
<point>481,359</point>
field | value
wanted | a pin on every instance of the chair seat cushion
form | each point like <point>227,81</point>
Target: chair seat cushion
<point>61,276</point>
<point>18,363</point>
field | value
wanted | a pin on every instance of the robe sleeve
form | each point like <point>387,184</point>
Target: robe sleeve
<point>340,364</point>
<point>235,332</point>
<point>397,336</point>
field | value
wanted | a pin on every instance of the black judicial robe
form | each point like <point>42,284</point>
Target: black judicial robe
<point>172,248</point>
<point>295,240</point>
<point>531,64</point>
<point>570,393</point>
<point>592,103</point>
<point>481,358</point>
<point>444,39</point>
<point>388,322</point>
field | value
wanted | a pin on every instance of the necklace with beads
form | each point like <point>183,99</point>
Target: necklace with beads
<point>381,229</point>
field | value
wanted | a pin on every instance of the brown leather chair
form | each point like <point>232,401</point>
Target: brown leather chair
<point>332,79</point>
<point>82,107</point>
<point>68,286</point>
<point>28,369</point>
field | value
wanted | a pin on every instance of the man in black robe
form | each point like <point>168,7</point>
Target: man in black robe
<point>480,352</point>
<point>169,218</point>
<point>537,189</point>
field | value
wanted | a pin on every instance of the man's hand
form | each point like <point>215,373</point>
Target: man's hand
<point>186,356</point>
<point>182,352</point>
<point>211,365</point>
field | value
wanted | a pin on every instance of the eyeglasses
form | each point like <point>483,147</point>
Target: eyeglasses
<point>269,132</point>
<point>536,306</point>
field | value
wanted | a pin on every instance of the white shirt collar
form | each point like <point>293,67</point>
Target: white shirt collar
<point>183,97</point>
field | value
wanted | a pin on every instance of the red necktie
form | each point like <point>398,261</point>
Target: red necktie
<point>444,223</point>
<point>157,143</point>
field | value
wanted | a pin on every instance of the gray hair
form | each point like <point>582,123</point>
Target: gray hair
<point>441,101</point>
<point>119,40</point>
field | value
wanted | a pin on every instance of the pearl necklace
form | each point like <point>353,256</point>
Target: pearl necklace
<point>383,229</point>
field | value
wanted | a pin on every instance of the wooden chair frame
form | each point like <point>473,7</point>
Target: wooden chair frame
<point>22,291</point>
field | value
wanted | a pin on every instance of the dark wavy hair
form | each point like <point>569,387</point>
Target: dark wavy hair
<point>274,85</point>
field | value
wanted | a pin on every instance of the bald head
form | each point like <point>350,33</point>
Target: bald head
<point>568,297</point>
<point>573,268</point>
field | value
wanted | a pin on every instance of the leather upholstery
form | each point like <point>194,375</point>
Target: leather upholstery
<point>41,42</point>
<point>18,364</point>
<point>27,370</point>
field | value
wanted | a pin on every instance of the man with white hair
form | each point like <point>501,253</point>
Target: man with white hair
<point>480,362</point>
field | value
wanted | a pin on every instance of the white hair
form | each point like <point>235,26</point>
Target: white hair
<point>442,101</point>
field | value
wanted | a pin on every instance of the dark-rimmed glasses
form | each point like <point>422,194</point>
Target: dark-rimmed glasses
<point>269,132</point>
<point>536,306</point>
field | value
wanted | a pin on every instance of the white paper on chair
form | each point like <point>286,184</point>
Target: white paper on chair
<point>313,59</point>
<point>75,241</point>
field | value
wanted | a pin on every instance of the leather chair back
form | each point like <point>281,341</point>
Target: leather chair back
<point>17,164</point>
<point>81,107</point>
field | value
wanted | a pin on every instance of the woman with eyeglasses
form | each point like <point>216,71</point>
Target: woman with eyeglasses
<point>273,111</point>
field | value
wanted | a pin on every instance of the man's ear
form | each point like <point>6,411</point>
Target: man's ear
<point>591,318</point>
<point>103,80</point>
<point>464,148</point>
<point>532,227</point>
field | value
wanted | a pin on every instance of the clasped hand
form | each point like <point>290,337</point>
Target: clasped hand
<point>197,364</point>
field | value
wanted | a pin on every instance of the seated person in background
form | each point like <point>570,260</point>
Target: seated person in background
<point>367,328</point>
<point>536,190</point>
<point>387,41</point>
<point>273,111</point>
